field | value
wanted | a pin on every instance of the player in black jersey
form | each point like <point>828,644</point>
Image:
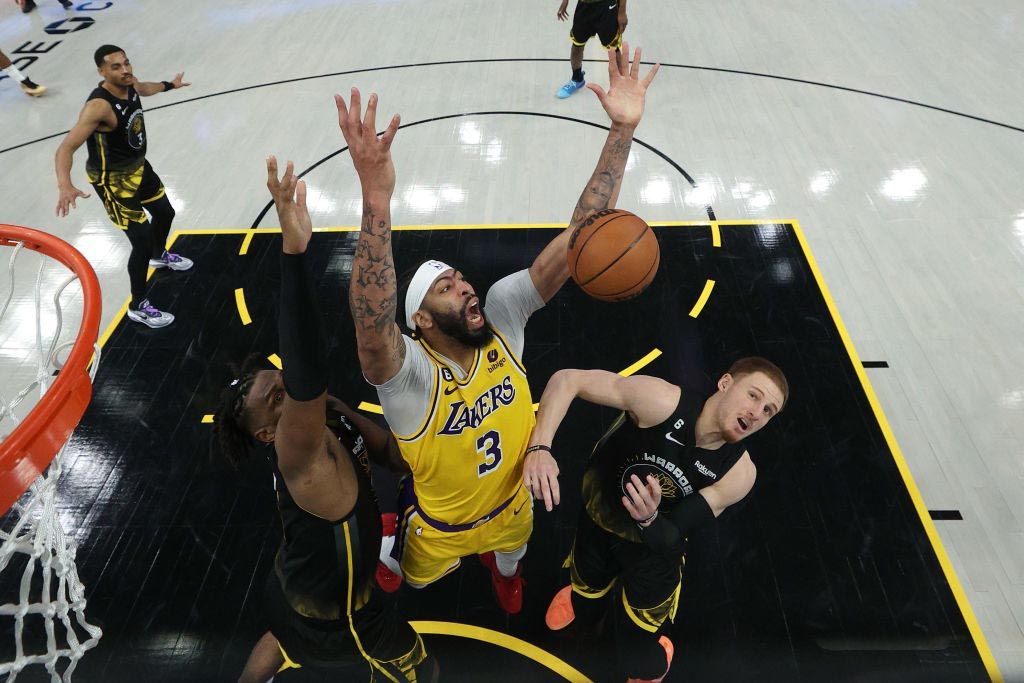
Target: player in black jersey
<point>112,123</point>
<point>328,620</point>
<point>669,464</point>
<point>605,18</point>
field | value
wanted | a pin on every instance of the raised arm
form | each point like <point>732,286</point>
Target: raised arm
<point>380,443</point>
<point>624,104</point>
<point>648,400</point>
<point>299,438</point>
<point>373,290</point>
<point>93,114</point>
<point>147,88</point>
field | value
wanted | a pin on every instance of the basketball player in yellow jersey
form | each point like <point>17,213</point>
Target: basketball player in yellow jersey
<point>455,392</point>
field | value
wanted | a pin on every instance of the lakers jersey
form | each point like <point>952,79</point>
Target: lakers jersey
<point>466,456</point>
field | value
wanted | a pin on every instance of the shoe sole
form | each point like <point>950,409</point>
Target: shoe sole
<point>146,321</point>
<point>169,266</point>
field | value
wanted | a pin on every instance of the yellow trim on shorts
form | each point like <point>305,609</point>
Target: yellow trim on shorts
<point>349,610</point>
<point>650,628</point>
<point>155,197</point>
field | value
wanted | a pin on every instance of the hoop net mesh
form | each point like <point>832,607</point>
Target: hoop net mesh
<point>32,538</point>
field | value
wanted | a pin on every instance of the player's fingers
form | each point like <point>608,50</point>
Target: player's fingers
<point>545,493</point>
<point>628,504</point>
<point>556,494</point>
<point>613,66</point>
<point>83,195</point>
<point>300,194</point>
<point>392,130</point>
<point>339,102</point>
<point>355,110</point>
<point>641,491</point>
<point>651,74</point>
<point>370,118</point>
<point>634,70</point>
<point>599,91</point>
<point>272,181</point>
<point>622,57</point>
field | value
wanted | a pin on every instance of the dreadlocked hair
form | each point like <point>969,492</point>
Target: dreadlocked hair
<point>229,422</point>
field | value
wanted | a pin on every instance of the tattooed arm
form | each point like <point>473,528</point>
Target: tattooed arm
<point>373,290</point>
<point>624,104</point>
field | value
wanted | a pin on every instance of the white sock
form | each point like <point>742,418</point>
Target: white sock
<point>13,72</point>
<point>506,562</point>
<point>386,544</point>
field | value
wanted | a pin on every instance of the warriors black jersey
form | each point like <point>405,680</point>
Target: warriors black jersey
<point>326,567</point>
<point>667,450</point>
<point>124,148</point>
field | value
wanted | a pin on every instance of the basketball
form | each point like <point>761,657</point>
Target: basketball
<point>614,255</point>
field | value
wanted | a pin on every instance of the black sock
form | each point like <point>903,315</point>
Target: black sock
<point>140,235</point>
<point>577,74</point>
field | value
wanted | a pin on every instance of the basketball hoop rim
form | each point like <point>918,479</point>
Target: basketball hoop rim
<point>30,448</point>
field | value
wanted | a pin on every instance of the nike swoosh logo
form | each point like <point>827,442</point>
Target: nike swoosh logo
<point>668,435</point>
<point>516,512</point>
<point>452,390</point>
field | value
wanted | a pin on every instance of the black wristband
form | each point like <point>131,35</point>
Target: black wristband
<point>168,85</point>
<point>538,447</point>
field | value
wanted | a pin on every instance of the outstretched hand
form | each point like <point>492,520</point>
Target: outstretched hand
<point>624,100</point>
<point>289,195</point>
<point>178,82</point>
<point>371,154</point>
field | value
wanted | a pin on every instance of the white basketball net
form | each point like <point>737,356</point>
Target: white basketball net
<point>50,591</point>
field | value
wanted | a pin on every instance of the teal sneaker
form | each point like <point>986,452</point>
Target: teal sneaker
<point>569,88</point>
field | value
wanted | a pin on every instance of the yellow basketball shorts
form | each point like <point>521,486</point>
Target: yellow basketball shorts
<point>428,553</point>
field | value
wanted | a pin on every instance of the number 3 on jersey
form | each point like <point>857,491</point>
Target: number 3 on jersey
<point>490,446</point>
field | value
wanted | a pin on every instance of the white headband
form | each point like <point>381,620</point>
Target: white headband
<point>425,276</point>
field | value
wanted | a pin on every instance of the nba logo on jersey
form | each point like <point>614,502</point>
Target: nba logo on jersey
<point>492,355</point>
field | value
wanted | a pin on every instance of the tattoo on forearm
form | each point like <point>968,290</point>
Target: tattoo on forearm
<point>606,179</point>
<point>373,291</point>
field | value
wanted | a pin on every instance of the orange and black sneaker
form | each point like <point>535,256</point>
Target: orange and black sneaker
<point>508,589</point>
<point>560,613</point>
<point>670,650</point>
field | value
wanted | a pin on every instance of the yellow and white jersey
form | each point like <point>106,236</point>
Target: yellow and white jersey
<point>466,455</point>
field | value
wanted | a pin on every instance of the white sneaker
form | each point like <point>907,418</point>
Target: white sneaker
<point>149,315</point>
<point>172,261</point>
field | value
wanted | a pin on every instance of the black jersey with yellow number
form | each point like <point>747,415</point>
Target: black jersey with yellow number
<point>326,567</point>
<point>667,450</point>
<point>124,148</point>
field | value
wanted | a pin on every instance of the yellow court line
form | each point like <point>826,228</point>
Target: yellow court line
<point>716,234</point>
<point>643,362</point>
<point>901,464</point>
<point>243,310</point>
<point>471,226</point>
<point>699,306</point>
<point>275,360</point>
<point>511,643</point>
<point>370,408</point>
<point>121,312</point>
<point>244,249</point>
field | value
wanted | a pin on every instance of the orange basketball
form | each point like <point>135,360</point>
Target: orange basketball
<point>614,255</point>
